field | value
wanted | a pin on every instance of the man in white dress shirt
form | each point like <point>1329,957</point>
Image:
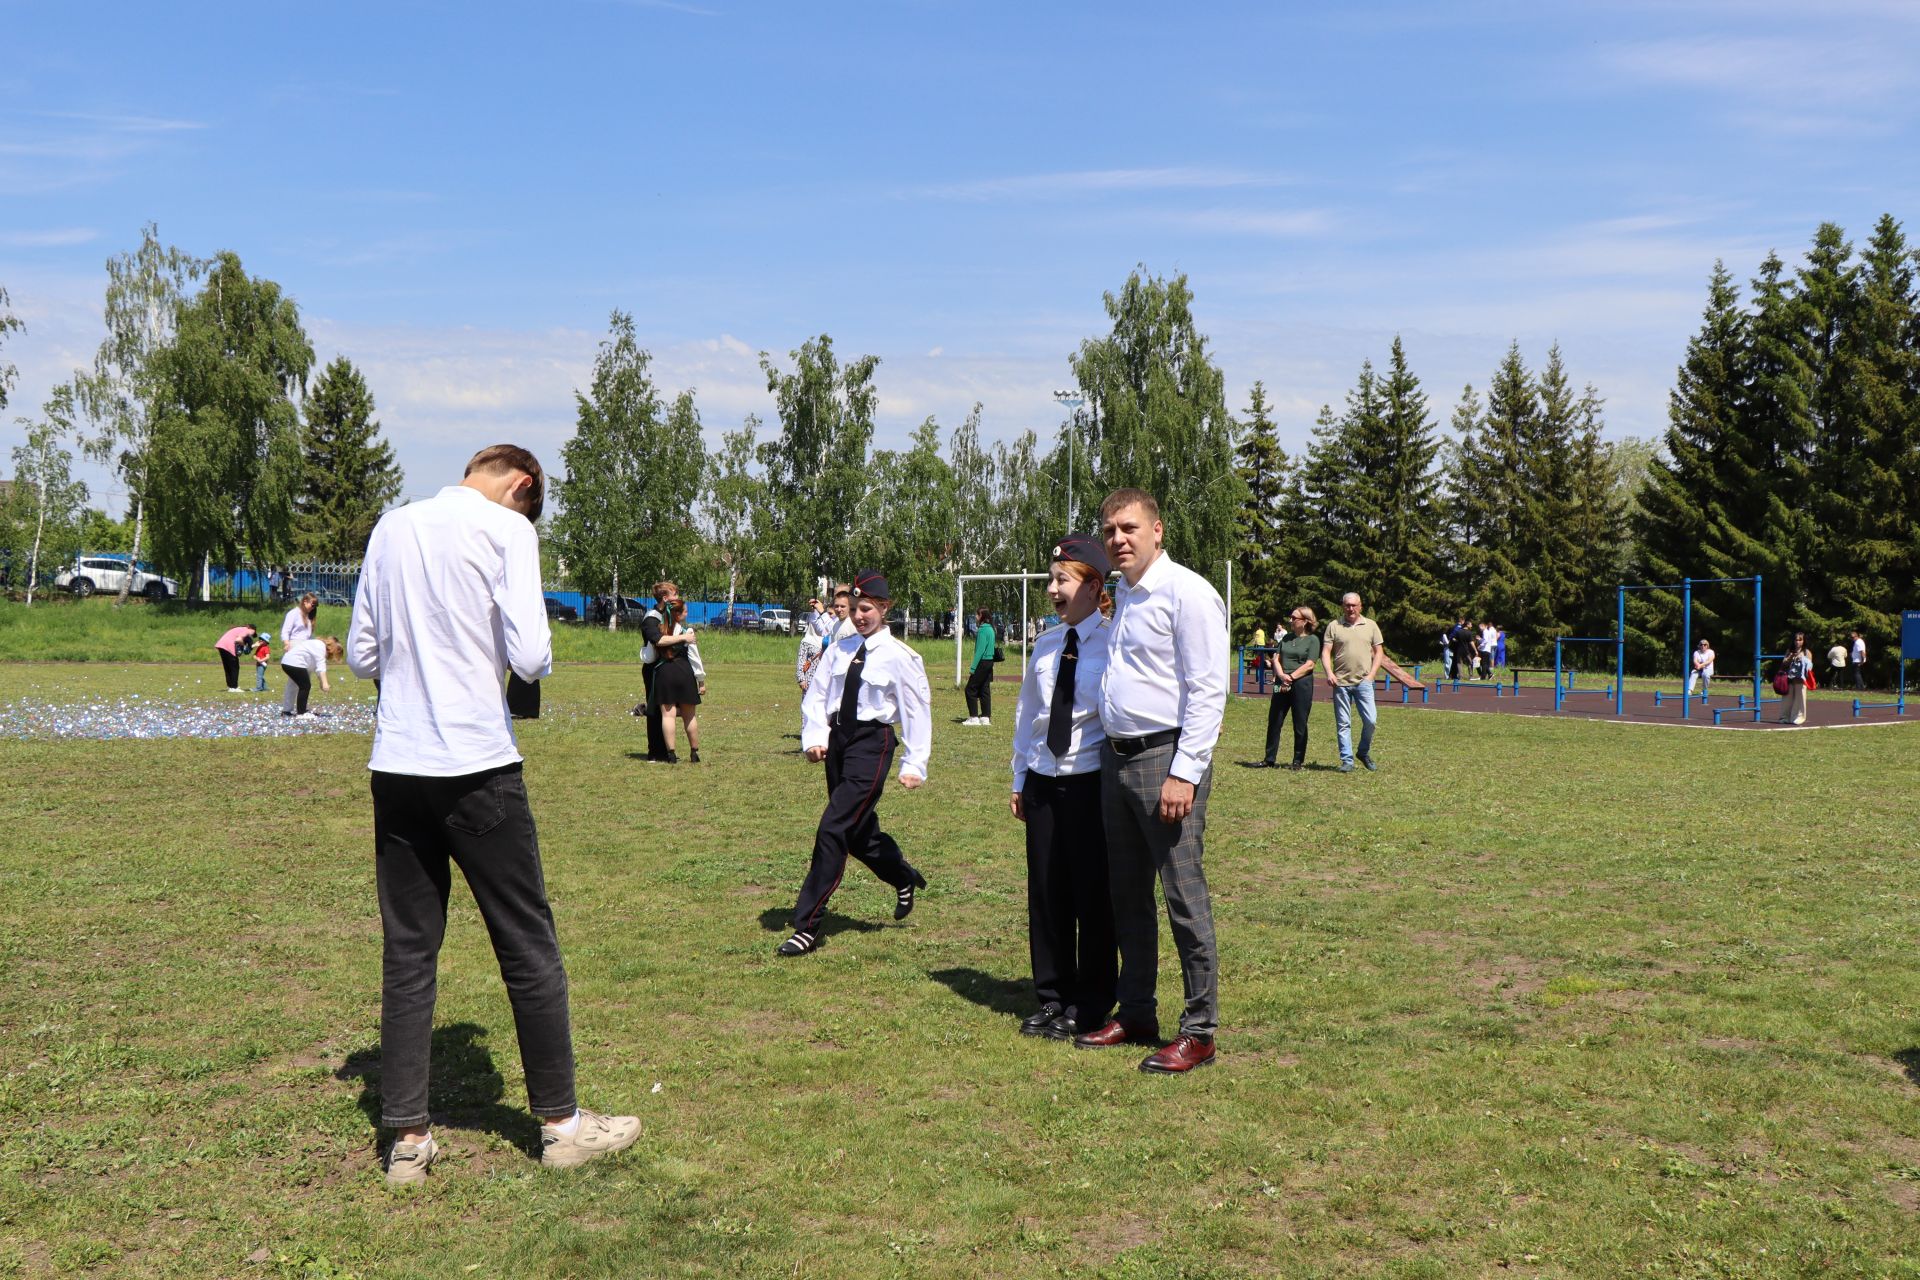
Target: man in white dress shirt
<point>864,686</point>
<point>1161,702</point>
<point>449,602</point>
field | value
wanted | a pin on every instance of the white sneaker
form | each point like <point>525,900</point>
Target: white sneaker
<point>407,1161</point>
<point>306,715</point>
<point>969,722</point>
<point>597,1136</point>
<point>984,723</point>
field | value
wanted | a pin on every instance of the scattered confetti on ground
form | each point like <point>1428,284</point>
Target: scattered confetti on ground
<point>134,716</point>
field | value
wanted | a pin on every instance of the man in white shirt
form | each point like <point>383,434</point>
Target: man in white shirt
<point>1161,702</point>
<point>865,686</point>
<point>449,602</point>
<point>1859,656</point>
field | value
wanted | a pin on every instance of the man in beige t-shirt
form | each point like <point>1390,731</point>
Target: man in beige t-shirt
<point>1352,655</point>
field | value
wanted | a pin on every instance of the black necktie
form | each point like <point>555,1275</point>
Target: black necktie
<point>850,692</point>
<point>1060,719</point>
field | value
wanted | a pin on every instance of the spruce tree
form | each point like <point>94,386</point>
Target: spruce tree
<point>1263,570</point>
<point>1764,525</point>
<point>1407,600</point>
<point>349,476</point>
<point>1687,491</point>
<point>1828,295</point>
<point>1877,531</point>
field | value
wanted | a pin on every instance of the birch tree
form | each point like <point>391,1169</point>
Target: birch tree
<point>144,290</point>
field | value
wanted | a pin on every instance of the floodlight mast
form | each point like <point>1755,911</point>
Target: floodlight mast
<point>1070,400</point>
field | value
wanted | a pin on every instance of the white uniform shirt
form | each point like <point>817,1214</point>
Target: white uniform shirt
<point>449,602</point>
<point>1033,716</point>
<point>295,626</point>
<point>1167,663</point>
<point>893,690</point>
<point>1489,637</point>
<point>308,655</point>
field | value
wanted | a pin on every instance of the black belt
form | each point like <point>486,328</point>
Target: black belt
<point>1126,748</point>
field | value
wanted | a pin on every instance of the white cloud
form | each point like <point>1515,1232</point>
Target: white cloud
<point>59,238</point>
<point>1285,224</point>
<point>120,123</point>
<point>1085,181</point>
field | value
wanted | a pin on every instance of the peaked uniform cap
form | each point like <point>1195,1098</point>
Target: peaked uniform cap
<point>868,582</point>
<point>1087,551</point>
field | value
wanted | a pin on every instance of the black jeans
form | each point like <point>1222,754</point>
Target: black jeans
<point>299,685</point>
<point>1069,910</point>
<point>1299,701</point>
<point>857,761</point>
<point>980,691</point>
<point>229,667</point>
<point>482,822</point>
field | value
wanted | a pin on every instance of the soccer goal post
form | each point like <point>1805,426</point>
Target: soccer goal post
<point>960,617</point>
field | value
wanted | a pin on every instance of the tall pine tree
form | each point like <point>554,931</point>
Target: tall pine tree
<point>349,475</point>
<point>1263,570</point>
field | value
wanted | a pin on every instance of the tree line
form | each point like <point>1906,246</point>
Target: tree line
<point>203,402</point>
<point>1792,451</point>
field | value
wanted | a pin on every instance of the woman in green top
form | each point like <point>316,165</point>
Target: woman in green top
<point>1293,686</point>
<point>980,684</point>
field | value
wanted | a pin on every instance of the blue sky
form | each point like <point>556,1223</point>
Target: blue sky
<point>458,194</point>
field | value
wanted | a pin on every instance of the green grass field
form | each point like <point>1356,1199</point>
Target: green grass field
<point>1541,998</point>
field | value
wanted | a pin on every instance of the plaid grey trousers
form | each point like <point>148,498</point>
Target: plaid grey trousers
<point>1139,845</point>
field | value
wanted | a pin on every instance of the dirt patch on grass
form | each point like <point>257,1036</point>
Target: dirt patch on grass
<point>1513,977</point>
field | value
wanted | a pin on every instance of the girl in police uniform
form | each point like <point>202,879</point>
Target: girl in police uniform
<point>868,699</point>
<point>1056,793</point>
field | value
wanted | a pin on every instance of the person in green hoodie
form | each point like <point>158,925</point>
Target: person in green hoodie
<point>986,651</point>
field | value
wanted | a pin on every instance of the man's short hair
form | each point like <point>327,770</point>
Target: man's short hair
<point>664,588</point>
<point>839,592</point>
<point>1356,599</point>
<point>497,459</point>
<point>1120,499</point>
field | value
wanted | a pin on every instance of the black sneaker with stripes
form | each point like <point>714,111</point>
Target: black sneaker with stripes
<point>903,897</point>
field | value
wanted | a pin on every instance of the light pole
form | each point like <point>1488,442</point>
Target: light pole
<point>1071,402</point>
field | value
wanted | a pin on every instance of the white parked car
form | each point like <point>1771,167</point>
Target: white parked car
<point>97,573</point>
<point>776,620</point>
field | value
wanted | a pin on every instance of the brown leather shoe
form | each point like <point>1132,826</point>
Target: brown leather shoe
<point>1183,1054</point>
<point>1117,1032</point>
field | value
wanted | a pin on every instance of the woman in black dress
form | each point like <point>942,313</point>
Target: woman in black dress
<point>678,684</point>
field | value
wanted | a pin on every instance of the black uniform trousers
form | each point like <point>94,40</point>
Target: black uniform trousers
<point>1069,909</point>
<point>857,764</point>
<point>1299,702</point>
<point>656,736</point>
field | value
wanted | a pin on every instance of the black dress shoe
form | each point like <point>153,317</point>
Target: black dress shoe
<point>1061,1028</point>
<point>672,757</point>
<point>903,897</point>
<point>1036,1024</point>
<point>696,755</point>
<point>1296,766</point>
<point>1266,764</point>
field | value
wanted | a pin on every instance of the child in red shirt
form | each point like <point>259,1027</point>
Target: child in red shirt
<point>261,652</point>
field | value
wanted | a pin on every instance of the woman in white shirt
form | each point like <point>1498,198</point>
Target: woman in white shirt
<point>300,662</point>
<point>1056,792</point>
<point>298,624</point>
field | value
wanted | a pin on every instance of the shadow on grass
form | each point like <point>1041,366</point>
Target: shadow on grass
<point>1909,1060</point>
<point>466,1089</point>
<point>780,920</point>
<point>1010,996</point>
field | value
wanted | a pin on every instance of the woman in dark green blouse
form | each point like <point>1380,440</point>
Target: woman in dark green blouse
<point>1293,686</point>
